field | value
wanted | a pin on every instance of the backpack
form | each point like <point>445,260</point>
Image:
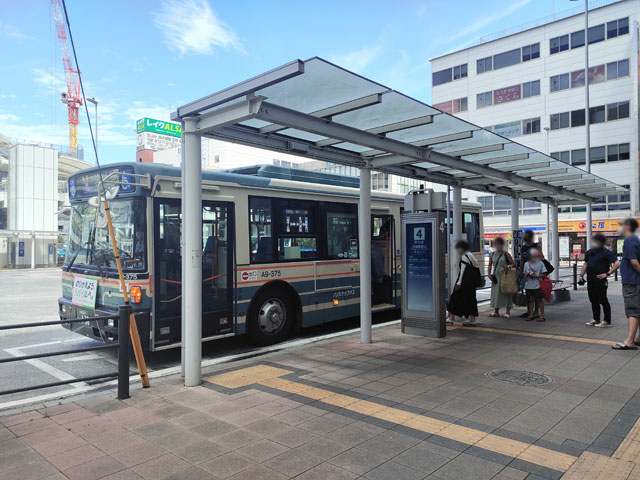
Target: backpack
<point>472,275</point>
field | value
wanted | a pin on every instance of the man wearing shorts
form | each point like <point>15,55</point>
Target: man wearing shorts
<point>630,271</point>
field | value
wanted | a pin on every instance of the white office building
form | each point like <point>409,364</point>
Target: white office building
<point>528,83</point>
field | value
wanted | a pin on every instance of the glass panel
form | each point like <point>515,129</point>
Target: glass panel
<point>578,157</point>
<point>577,78</point>
<point>321,86</point>
<point>623,110</point>
<point>471,228</point>
<point>90,245</point>
<point>612,29</point>
<point>596,74</point>
<point>596,34</point>
<point>577,118</point>
<point>623,26</point>
<point>260,230</point>
<point>506,59</point>
<point>612,70</point>
<point>623,68</point>
<point>597,154</point>
<point>342,228</point>
<point>612,153</point>
<point>577,39</point>
<point>596,114</point>
<point>297,248</point>
<point>443,76</point>
<point>624,151</point>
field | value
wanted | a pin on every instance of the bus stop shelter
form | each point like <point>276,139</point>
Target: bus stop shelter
<point>319,110</point>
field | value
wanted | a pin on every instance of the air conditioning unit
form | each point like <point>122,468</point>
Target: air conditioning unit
<point>424,200</point>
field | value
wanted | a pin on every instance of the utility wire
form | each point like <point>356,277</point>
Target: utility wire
<point>84,100</point>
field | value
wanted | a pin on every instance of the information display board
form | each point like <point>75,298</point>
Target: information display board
<point>423,278</point>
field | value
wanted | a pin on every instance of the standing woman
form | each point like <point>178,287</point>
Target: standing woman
<point>463,301</point>
<point>499,262</point>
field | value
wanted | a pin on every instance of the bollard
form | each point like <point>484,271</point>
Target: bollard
<point>124,312</point>
<point>575,276</point>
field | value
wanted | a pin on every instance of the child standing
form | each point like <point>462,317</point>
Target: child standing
<point>534,270</point>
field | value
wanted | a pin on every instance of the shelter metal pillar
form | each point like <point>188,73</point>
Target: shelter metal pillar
<point>515,213</point>
<point>555,240</point>
<point>457,225</point>
<point>364,234</point>
<point>192,253</point>
<point>33,249</point>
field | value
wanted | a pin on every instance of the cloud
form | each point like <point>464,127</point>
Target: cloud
<point>191,26</point>
<point>482,23</point>
<point>358,60</point>
<point>49,82</point>
<point>11,31</point>
<point>139,110</point>
<point>8,118</point>
<point>4,96</point>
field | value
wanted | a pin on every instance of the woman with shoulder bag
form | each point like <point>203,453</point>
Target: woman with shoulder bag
<point>462,301</point>
<point>499,262</point>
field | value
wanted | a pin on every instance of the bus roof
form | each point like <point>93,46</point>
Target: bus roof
<point>265,176</point>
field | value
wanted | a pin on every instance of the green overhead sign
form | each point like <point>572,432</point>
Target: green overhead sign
<point>158,126</point>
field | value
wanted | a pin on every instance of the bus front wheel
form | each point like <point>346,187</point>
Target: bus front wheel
<point>271,318</point>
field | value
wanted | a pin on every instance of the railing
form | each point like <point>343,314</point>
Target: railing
<point>544,20</point>
<point>122,346</point>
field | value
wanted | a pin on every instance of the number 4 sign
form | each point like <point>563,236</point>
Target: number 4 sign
<point>418,233</point>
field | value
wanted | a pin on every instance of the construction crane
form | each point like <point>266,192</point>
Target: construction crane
<point>72,97</point>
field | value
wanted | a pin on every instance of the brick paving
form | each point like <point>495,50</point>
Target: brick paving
<point>405,407</point>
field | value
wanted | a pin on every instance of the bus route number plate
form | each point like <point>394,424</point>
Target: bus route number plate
<point>84,291</point>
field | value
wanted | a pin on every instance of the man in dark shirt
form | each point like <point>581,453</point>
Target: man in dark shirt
<point>598,262</point>
<point>630,271</point>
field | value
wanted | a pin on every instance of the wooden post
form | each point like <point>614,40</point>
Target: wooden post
<point>133,327</point>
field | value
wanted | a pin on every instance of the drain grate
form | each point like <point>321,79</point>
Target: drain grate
<point>519,377</point>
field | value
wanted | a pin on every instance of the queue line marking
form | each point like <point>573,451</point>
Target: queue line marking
<point>271,377</point>
<point>547,336</point>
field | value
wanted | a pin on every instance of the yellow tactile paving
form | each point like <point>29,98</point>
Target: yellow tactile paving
<point>595,467</point>
<point>629,448</point>
<point>247,376</point>
<point>549,458</point>
<point>269,376</point>
<point>536,335</point>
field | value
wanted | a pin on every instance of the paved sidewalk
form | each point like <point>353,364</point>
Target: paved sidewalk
<point>404,407</point>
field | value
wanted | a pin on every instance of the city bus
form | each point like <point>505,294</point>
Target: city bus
<point>279,251</point>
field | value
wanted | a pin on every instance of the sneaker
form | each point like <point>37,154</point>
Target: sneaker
<point>592,323</point>
<point>507,315</point>
<point>603,325</point>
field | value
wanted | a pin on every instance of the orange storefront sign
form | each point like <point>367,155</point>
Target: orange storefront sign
<point>581,226</point>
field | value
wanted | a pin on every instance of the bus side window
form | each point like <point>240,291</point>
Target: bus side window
<point>471,229</point>
<point>260,230</point>
<point>342,231</point>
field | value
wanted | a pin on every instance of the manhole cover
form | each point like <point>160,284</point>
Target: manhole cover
<point>519,377</point>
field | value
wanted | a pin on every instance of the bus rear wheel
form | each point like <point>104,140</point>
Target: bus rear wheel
<point>271,318</point>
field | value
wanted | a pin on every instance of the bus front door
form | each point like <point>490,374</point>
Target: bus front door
<point>217,266</point>
<point>382,259</point>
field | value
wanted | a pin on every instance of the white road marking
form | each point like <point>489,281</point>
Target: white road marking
<point>80,358</point>
<point>46,368</point>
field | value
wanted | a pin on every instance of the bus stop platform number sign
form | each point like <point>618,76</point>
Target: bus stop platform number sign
<point>84,291</point>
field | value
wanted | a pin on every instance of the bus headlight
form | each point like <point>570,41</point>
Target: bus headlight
<point>135,294</point>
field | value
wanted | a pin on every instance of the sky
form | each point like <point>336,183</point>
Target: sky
<point>144,58</point>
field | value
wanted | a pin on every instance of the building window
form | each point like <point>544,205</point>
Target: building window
<point>597,155</point>
<point>559,82</point>
<point>531,125</point>
<point>506,59</point>
<point>530,52</point>
<point>564,157</point>
<point>617,69</point>
<point>596,74</point>
<point>618,152</point>
<point>596,34</point>
<point>484,99</point>
<point>460,105</point>
<point>460,71</point>
<point>380,181</point>
<point>577,39</point>
<point>443,76</point>
<point>596,114</point>
<point>618,110</point>
<point>484,65</point>
<point>578,118</point>
<point>619,202</point>
<point>531,89</point>
<point>559,44</point>
<point>578,157</point>
<point>577,79</point>
<point>617,27</point>
<point>560,120</point>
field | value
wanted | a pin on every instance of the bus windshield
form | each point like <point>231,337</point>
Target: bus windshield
<point>89,245</point>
